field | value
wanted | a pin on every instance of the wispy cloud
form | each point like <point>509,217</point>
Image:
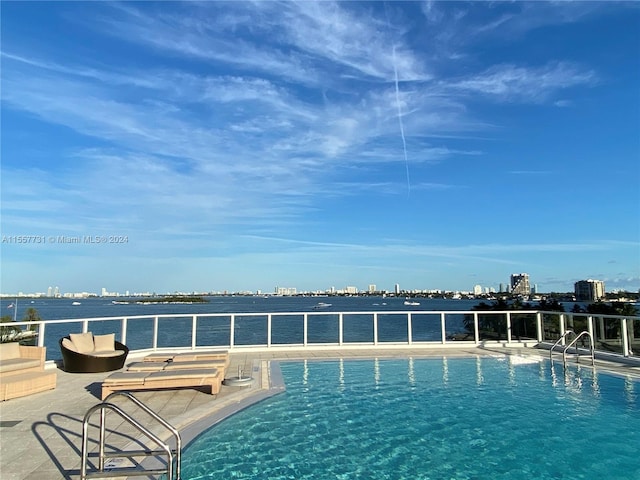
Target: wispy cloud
<point>212,122</point>
<point>510,83</point>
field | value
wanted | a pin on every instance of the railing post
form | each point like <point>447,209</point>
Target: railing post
<point>562,327</point>
<point>476,328</point>
<point>590,329</point>
<point>232,331</point>
<point>123,329</point>
<point>375,328</point>
<point>539,326</point>
<point>194,331</point>
<point>409,328</point>
<point>85,326</point>
<point>340,329</point>
<point>625,337</point>
<point>269,330</point>
<point>442,328</point>
<point>155,333</point>
<point>305,329</point>
<point>508,327</point>
<point>41,330</point>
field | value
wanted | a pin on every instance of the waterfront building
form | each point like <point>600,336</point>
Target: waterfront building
<point>286,291</point>
<point>397,289</point>
<point>372,288</point>
<point>589,290</point>
<point>520,284</point>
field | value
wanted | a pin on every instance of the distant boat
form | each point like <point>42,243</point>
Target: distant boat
<point>321,305</point>
<point>115,302</point>
<point>407,302</point>
<point>76,303</point>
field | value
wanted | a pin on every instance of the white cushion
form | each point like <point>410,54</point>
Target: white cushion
<point>104,342</point>
<point>83,342</point>
<point>69,345</point>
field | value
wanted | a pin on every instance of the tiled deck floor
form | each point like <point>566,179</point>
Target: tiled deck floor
<point>41,435</point>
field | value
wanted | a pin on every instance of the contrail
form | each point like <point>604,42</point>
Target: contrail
<point>404,142</point>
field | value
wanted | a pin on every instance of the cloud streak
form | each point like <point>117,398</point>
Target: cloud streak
<point>220,121</point>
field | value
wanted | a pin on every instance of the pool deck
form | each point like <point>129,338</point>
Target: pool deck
<point>41,435</point>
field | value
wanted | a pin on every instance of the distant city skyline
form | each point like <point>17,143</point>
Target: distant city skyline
<point>211,146</point>
<point>516,287</point>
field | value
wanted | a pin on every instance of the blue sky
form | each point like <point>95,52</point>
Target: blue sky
<point>244,146</point>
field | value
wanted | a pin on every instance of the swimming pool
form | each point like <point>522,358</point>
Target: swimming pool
<point>478,418</point>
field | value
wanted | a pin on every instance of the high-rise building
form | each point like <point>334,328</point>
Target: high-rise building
<point>372,288</point>
<point>589,290</point>
<point>397,289</point>
<point>49,291</point>
<point>520,284</point>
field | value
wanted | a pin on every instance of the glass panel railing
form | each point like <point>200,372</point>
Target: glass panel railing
<point>426,327</point>
<point>287,329</point>
<point>174,331</point>
<point>550,327</point>
<point>392,328</point>
<point>577,323</point>
<point>492,326</point>
<point>454,326</point>
<point>139,333</point>
<point>213,331</point>
<point>357,328</point>
<point>250,330</point>
<point>523,326</point>
<point>323,328</point>
<point>608,334</point>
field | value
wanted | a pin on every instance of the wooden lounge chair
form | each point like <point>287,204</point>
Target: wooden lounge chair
<point>163,379</point>
<point>187,356</point>
<point>221,364</point>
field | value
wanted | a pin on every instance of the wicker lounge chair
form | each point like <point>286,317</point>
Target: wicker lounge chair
<point>22,371</point>
<point>85,353</point>
<point>211,378</point>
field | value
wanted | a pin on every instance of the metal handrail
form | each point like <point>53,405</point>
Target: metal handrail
<point>102,407</point>
<point>158,418</point>
<point>562,337</point>
<point>564,352</point>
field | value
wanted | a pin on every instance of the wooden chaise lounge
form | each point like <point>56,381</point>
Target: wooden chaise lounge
<point>187,356</point>
<point>220,364</point>
<point>211,378</point>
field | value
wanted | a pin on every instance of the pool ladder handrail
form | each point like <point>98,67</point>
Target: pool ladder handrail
<point>164,448</point>
<point>562,337</point>
<point>582,334</point>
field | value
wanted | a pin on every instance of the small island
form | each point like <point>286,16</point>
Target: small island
<point>174,299</point>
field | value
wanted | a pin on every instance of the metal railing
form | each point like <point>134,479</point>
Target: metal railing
<point>613,334</point>
<point>574,342</point>
<point>164,448</point>
<point>559,341</point>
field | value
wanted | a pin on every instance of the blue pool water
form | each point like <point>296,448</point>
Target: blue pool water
<point>417,419</point>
